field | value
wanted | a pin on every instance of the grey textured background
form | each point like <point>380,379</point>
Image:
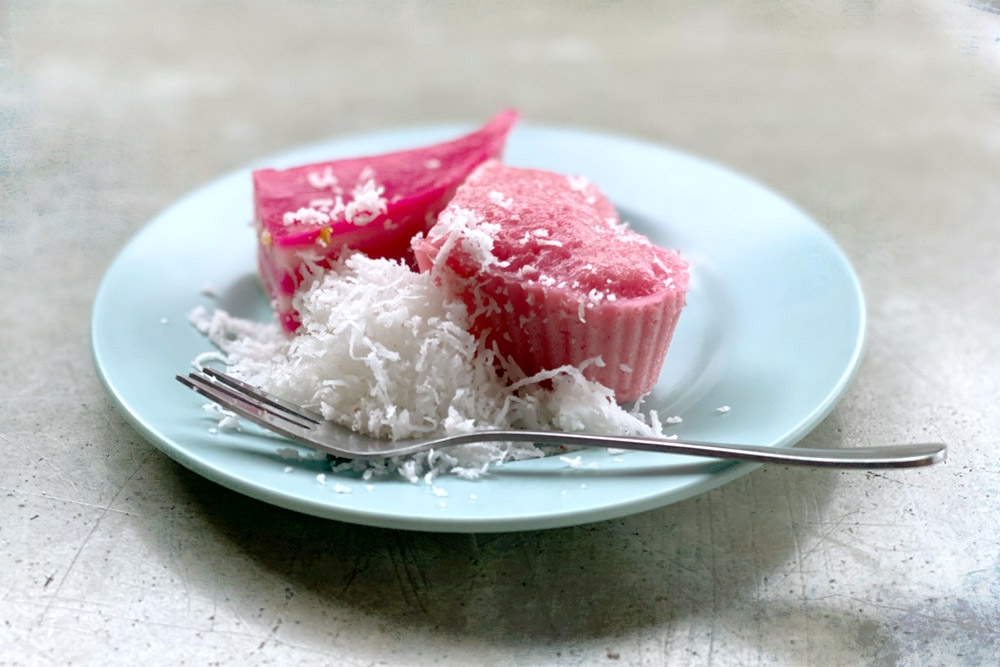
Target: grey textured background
<point>881,118</point>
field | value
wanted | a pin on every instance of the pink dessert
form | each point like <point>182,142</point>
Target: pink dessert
<point>551,277</point>
<point>307,216</point>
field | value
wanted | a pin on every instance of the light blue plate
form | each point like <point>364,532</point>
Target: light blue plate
<point>773,328</point>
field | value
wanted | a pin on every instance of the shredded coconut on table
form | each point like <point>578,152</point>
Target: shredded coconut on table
<point>383,351</point>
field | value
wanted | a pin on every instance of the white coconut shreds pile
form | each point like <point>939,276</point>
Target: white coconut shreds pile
<point>383,351</point>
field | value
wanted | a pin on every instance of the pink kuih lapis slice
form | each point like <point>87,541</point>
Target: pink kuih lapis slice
<point>551,276</point>
<point>307,216</point>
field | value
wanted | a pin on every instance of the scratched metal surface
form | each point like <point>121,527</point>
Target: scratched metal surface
<point>880,118</point>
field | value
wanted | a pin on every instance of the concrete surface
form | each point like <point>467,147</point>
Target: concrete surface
<point>881,118</point>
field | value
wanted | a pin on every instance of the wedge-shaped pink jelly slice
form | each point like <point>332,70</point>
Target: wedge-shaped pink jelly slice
<point>308,216</point>
<point>550,277</point>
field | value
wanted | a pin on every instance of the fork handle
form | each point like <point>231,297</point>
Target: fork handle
<point>891,456</point>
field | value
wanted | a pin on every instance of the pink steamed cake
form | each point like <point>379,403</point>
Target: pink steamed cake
<point>550,276</point>
<point>308,215</point>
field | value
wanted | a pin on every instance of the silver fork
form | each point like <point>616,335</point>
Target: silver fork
<point>311,429</point>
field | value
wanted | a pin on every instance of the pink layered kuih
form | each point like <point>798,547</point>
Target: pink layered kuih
<point>307,216</point>
<point>551,277</point>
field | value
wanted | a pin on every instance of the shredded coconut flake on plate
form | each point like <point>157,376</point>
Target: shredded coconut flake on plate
<point>572,462</point>
<point>383,351</point>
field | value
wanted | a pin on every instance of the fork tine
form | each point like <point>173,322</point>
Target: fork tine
<point>259,395</point>
<point>260,414</point>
